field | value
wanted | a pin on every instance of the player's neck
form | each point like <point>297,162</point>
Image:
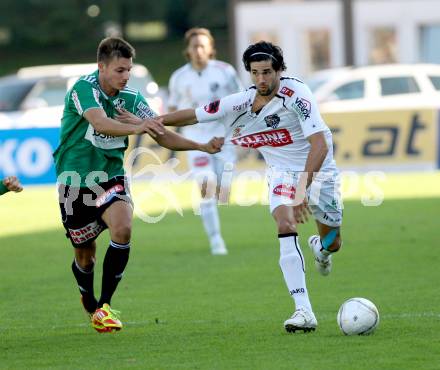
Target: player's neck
<point>265,98</point>
<point>261,100</point>
<point>108,90</point>
<point>199,67</point>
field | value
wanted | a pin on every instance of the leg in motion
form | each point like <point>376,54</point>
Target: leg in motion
<point>118,218</point>
<point>293,269</point>
<point>82,268</point>
<point>324,245</point>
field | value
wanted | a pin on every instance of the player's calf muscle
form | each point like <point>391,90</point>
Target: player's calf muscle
<point>335,245</point>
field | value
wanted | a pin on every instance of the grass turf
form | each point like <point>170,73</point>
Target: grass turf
<point>185,309</point>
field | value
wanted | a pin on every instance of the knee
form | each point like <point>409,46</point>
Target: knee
<point>208,189</point>
<point>223,194</point>
<point>203,190</point>
<point>121,233</point>
<point>85,258</point>
<point>85,262</point>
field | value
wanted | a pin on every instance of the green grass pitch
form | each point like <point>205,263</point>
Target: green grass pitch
<point>184,309</point>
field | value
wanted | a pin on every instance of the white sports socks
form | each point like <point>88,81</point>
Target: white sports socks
<point>292,266</point>
<point>210,218</point>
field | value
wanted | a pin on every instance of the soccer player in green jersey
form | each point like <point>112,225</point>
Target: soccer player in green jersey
<point>10,183</point>
<point>93,191</point>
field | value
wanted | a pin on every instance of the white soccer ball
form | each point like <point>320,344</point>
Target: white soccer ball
<point>358,316</point>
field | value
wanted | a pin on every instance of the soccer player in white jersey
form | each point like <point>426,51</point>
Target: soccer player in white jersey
<point>279,117</point>
<point>200,81</point>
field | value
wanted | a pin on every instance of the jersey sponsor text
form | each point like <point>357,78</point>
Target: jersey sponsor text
<point>303,108</point>
<point>273,138</point>
<point>286,91</point>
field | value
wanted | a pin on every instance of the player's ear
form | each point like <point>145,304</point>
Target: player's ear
<point>101,66</point>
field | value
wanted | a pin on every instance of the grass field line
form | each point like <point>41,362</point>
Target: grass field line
<point>36,208</point>
<point>321,318</point>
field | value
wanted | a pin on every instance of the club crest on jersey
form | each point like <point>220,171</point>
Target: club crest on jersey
<point>272,121</point>
<point>286,91</point>
<point>119,103</point>
<point>212,107</point>
<point>303,108</point>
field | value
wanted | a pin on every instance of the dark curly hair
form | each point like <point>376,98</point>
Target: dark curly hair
<point>263,50</point>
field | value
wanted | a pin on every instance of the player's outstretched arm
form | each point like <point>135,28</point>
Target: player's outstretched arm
<point>182,117</point>
<point>174,141</point>
<point>108,126</point>
<point>176,118</point>
<point>10,183</point>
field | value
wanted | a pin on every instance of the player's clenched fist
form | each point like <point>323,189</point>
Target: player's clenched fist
<point>214,145</point>
<point>12,184</point>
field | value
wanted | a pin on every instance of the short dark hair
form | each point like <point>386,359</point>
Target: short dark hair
<point>199,31</point>
<point>114,47</point>
<point>264,50</point>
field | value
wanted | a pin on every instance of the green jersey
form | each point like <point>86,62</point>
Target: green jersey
<point>84,150</point>
<point>3,188</point>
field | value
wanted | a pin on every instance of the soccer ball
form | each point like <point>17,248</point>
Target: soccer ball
<point>358,316</point>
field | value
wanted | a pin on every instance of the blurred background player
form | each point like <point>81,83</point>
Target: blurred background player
<point>10,183</point>
<point>93,191</point>
<point>200,81</point>
<point>279,117</point>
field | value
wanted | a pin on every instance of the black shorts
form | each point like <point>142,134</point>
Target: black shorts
<point>82,208</point>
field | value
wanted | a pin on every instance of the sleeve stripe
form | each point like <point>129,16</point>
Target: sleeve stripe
<point>130,92</point>
<point>77,102</point>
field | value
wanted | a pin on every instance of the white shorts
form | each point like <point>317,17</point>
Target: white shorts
<point>211,167</point>
<point>323,195</point>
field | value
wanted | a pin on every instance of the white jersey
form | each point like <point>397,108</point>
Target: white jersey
<point>189,88</point>
<point>279,130</point>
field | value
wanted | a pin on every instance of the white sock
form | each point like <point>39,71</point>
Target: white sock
<point>292,266</point>
<point>210,219</point>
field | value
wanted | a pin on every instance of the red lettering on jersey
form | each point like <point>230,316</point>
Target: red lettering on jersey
<point>285,191</point>
<point>212,107</point>
<point>286,91</point>
<point>273,138</point>
<point>201,161</point>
